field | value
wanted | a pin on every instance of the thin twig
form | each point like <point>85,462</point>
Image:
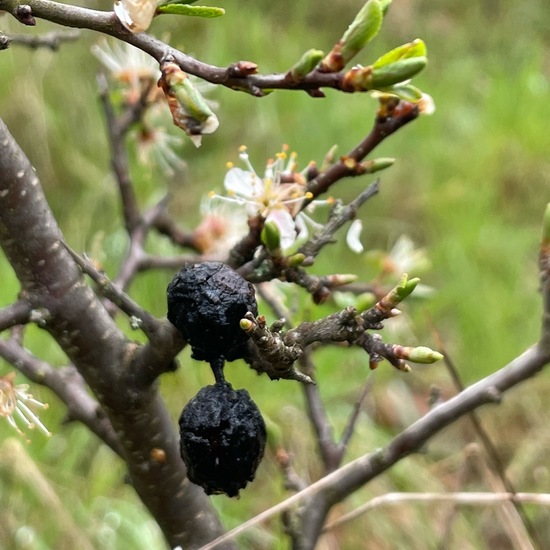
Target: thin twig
<point>119,157</point>
<point>512,518</point>
<point>51,40</point>
<point>318,417</point>
<point>339,484</point>
<point>141,318</point>
<point>463,498</point>
<point>485,439</point>
<point>339,217</point>
<point>352,421</point>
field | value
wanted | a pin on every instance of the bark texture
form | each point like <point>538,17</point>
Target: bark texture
<point>66,306</point>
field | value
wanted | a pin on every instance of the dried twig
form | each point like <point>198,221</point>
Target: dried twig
<point>51,40</point>
<point>337,485</point>
<point>460,498</point>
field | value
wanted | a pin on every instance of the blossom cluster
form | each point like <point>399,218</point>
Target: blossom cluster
<point>278,196</point>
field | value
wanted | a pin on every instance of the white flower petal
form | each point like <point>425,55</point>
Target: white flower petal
<point>210,125</point>
<point>426,105</point>
<point>353,237</point>
<point>243,183</point>
<point>135,15</point>
<point>301,226</point>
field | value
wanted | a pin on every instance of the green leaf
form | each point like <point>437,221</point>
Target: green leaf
<point>385,4</point>
<point>408,92</point>
<point>194,11</point>
<point>416,48</point>
<point>394,73</point>
<point>363,29</point>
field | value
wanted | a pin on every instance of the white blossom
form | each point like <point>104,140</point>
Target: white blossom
<point>278,196</point>
<point>17,404</point>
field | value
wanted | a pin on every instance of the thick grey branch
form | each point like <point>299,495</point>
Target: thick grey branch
<point>53,283</point>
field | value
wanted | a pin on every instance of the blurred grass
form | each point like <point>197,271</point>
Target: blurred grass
<point>470,185</point>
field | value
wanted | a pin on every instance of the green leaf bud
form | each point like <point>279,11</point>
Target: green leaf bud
<point>394,73</point>
<point>424,355</point>
<point>306,64</point>
<point>271,238</point>
<point>364,28</point>
<point>296,259</point>
<point>416,48</point>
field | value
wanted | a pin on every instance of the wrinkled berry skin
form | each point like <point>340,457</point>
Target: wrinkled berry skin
<point>206,303</point>
<point>222,439</point>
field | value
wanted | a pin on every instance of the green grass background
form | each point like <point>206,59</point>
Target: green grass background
<point>470,185</point>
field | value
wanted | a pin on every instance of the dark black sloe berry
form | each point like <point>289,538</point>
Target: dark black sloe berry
<point>206,303</point>
<point>222,439</point>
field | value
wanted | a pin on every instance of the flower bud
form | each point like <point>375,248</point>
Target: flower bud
<point>189,109</point>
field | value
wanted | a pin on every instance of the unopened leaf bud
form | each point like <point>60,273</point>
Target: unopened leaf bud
<point>416,48</point>
<point>375,165</point>
<point>306,64</point>
<point>364,28</point>
<point>296,259</point>
<point>388,75</point>
<point>423,354</point>
<point>341,279</point>
<point>405,287</point>
<point>247,325</point>
<point>271,238</point>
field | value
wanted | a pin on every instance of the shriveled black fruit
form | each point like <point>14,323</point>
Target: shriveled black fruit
<point>222,439</point>
<point>206,303</point>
